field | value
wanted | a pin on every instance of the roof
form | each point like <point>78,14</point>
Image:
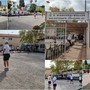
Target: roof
<point>74,26</point>
<point>10,35</point>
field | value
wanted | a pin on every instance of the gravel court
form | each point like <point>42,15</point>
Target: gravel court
<point>26,72</point>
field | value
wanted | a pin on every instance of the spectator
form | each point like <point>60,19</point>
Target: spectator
<point>49,81</point>
<point>69,38</point>
<point>6,56</point>
<point>54,83</point>
<point>71,79</point>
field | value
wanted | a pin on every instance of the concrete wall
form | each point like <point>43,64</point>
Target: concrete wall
<point>50,32</point>
<point>15,41</point>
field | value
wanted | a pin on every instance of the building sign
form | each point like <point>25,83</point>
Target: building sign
<point>66,16</point>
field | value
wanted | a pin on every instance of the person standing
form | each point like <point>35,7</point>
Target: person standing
<point>69,38</point>
<point>54,82</point>
<point>71,79</point>
<point>80,80</point>
<point>49,81</point>
<point>35,14</point>
<point>6,55</point>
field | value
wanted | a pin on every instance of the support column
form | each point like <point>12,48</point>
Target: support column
<point>88,40</point>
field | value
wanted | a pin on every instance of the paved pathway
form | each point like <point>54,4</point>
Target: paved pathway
<point>3,22</point>
<point>24,22</point>
<point>75,52</point>
<point>26,72</point>
<point>86,80</point>
<point>64,85</point>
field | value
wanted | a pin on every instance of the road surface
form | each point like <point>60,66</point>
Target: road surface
<point>24,22</point>
<point>3,22</point>
<point>26,72</point>
<point>64,85</point>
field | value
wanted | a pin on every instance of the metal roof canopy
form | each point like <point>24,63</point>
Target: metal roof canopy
<point>75,27</point>
<point>71,26</point>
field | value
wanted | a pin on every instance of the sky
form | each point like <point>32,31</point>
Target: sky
<point>78,5</point>
<point>4,2</point>
<point>88,61</point>
<point>9,31</point>
<point>39,2</point>
<point>48,63</point>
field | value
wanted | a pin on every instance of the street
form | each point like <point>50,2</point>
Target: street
<point>3,22</point>
<point>26,72</point>
<point>64,85</point>
<point>24,22</point>
<point>86,81</point>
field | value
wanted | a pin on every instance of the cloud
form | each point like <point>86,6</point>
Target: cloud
<point>76,4</point>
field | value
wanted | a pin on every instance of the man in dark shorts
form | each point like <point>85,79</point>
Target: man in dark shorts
<point>80,80</point>
<point>6,55</point>
<point>49,81</point>
<point>54,83</point>
<point>71,79</point>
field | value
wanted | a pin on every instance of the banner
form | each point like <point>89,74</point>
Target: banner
<point>66,15</point>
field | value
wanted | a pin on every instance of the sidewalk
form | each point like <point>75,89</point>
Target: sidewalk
<point>77,52</point>
<point>64,85</point>
<point>3,18</point>
<point>86,79</point>
<point>25,73</point>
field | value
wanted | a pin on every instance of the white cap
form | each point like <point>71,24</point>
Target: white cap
<point>6,41</point>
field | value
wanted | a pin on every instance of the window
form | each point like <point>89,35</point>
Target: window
<point>3,37</point>
<point>9,38</point>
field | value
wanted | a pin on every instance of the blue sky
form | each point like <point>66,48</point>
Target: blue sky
<point>9,31</point>
<point>4,2</point>
<point>88,61</point>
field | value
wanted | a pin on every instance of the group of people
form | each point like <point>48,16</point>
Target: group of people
<point>6,56</point>
<point>72,78</point>
<point>52,81</point>
<point>74,37</point>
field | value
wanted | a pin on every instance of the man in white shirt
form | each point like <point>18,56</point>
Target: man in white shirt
<point>49,81</point>
<point>6,55</point>
<point>71,79</point>
<point>54,82</point>
<point>69,38</point>
<point>80,80</point>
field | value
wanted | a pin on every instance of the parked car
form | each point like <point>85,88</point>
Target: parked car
<point>86,71</point>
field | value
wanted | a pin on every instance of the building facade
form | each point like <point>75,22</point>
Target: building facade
<point>14,40</point>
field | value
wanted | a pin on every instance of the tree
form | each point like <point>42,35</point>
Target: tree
<point>85,64</point>
<point>40,8</point>
<point>0,3</point>
<point>78,65</point>
<point>33,7</point>
<point>54,9</point>
<point>26,36</point>
<point>9,4</point>
<point>21,3</point>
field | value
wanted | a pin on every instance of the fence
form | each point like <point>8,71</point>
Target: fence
<point>56,51</point>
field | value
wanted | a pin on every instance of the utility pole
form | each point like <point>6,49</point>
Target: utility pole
<point>85,6</point>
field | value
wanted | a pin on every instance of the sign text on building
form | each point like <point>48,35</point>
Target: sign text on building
<point>66,15</point>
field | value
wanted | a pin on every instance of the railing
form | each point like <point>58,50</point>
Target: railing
<point>56,51</point>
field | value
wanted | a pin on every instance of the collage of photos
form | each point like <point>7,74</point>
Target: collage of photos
<point>44,45</point>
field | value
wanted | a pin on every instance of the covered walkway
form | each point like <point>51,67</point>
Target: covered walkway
<point>76,51</point>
